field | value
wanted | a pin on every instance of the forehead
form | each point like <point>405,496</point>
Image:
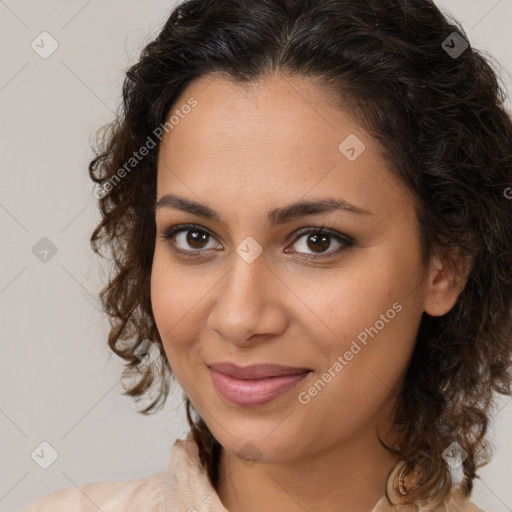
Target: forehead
<point>285,106</point>
<point>277,140</point>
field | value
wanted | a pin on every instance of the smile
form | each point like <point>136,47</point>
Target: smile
<point>254,392</point>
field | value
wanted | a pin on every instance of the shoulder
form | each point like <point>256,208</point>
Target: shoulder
<point>457,501</point>
<point>125,496</point>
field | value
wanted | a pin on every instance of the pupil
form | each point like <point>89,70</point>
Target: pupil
<point>319,242</point>
<point>196,237</point>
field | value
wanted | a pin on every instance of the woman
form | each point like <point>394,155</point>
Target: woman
<point>308,204</point>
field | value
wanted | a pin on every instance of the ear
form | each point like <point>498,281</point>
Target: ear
<point>447,277</point>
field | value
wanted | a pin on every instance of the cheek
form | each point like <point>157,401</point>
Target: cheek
<point>342,304</point>
<point>178,298</point>
<point>164,301</point>
<point>175,290</point>
<point>362,371</point>
<point>377,335</point>
<point>172,302</point>
<point>370,316</point>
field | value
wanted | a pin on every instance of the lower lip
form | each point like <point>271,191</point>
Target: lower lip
<point>250,393</point>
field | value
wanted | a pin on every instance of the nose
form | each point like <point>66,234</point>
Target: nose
<point>250,303</point>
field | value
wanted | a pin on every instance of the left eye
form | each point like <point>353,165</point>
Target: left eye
<point>316,239</point>
<point>320,239</point>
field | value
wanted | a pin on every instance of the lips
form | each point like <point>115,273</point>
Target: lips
<point>256,371</point>
<point>254,385</point>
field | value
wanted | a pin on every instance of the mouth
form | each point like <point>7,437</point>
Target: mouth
<point>254,385</point>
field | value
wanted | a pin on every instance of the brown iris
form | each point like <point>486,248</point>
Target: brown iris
<point>320,241</point>
<point>197,237</point>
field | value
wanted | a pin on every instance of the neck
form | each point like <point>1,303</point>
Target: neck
<point>348,476</point>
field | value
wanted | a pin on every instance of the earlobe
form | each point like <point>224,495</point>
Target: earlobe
<point>445,283</point>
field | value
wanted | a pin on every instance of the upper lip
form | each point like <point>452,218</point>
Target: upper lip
<point>256,371</point>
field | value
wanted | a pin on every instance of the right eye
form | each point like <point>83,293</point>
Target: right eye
<point>188,236</point>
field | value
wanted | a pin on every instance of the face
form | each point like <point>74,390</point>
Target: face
<point>337,291</point>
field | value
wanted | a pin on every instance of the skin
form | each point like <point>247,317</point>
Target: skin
<point>245,152</point>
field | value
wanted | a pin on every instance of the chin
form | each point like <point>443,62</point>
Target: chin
<point>256,446</point>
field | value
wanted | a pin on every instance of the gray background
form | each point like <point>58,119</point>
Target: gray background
<point>59,380</point>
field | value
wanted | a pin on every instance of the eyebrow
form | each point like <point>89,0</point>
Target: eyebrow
<point>274,217</point>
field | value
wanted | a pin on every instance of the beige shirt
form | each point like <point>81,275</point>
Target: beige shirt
<point>183,487</point>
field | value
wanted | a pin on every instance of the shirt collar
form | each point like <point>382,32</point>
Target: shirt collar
<point>186,485</point>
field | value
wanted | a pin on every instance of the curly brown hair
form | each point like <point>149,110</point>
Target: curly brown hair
<point>442,124</point>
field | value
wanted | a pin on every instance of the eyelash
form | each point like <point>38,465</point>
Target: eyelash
<point>345,240</point>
